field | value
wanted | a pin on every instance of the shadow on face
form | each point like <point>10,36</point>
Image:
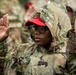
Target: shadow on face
<point>69,12</point>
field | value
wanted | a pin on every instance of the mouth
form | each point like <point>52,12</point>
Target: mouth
<point>37,39</point>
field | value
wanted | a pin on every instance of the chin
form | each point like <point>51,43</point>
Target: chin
<point>39,44</point>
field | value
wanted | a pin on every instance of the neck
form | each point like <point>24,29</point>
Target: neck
<point>47,46</point>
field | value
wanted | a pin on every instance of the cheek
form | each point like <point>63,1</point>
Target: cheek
<point>70,15</point>
<point>47,39</point>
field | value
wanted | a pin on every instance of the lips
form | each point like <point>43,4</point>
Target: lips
<point>37,39</point>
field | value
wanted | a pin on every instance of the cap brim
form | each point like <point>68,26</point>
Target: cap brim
<point>36,21</point>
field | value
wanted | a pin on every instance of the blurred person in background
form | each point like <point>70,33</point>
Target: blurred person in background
<point>71,44</point>
<point>13,9</point>
<point>16,19</point>
<point>29,9</point>
<point>16,14</point>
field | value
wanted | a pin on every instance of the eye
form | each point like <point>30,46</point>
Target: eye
<point>41,29</point>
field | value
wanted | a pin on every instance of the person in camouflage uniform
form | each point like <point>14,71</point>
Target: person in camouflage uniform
<point>71,44</point>
<point>47,54</point>
<point>17,32</point>
<point>71,9</point>
<point>12,8</point>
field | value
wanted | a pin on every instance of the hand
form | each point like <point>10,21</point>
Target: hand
<point>4,28</point>
<point>29,12</point>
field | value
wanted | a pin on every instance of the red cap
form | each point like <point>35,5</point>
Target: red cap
<point>36,21</point>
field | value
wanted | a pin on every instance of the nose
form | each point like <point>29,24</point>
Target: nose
<point>36,32</point>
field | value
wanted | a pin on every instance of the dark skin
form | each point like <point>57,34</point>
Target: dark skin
<point>70,14</point>
<point>43,39</point>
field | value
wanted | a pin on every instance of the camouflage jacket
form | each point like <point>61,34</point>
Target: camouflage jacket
<point>72,41</point>
<point>29,59</point>
<point>71,46</point>
<point>3,52</point>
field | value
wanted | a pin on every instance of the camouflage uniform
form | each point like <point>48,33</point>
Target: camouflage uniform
<point>71,4</point>
<point>30,59</point>
<point>59,1</point>
<point>12,8</point>
<point>16,14</point>
<point>25,34</point>
<point>71,44</point>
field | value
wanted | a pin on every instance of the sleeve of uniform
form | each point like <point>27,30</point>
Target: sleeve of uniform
<point>72,63</point>
<point>71,46</point>
<point>23,56</point>
<point>17,59</point>
<point>3,51</point>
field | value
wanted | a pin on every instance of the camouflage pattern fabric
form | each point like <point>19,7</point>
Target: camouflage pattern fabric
<point>25,35</point>
<point>3,52</point>
<point>72,63</point>
<point>71,46</point>
<point>72,40</point>
<point>30,59</point>
<point>16,14</point>
<point>72,4</point>
<point>59,1</point>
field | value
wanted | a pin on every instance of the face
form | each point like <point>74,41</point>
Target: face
<point>70,13</point>
<point>42,36</point>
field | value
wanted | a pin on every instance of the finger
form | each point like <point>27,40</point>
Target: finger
<point>1,21</point>
<point>6,20</point>
<point>8,29</point>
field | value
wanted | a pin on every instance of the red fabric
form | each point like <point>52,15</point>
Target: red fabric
<point>36,21</point>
